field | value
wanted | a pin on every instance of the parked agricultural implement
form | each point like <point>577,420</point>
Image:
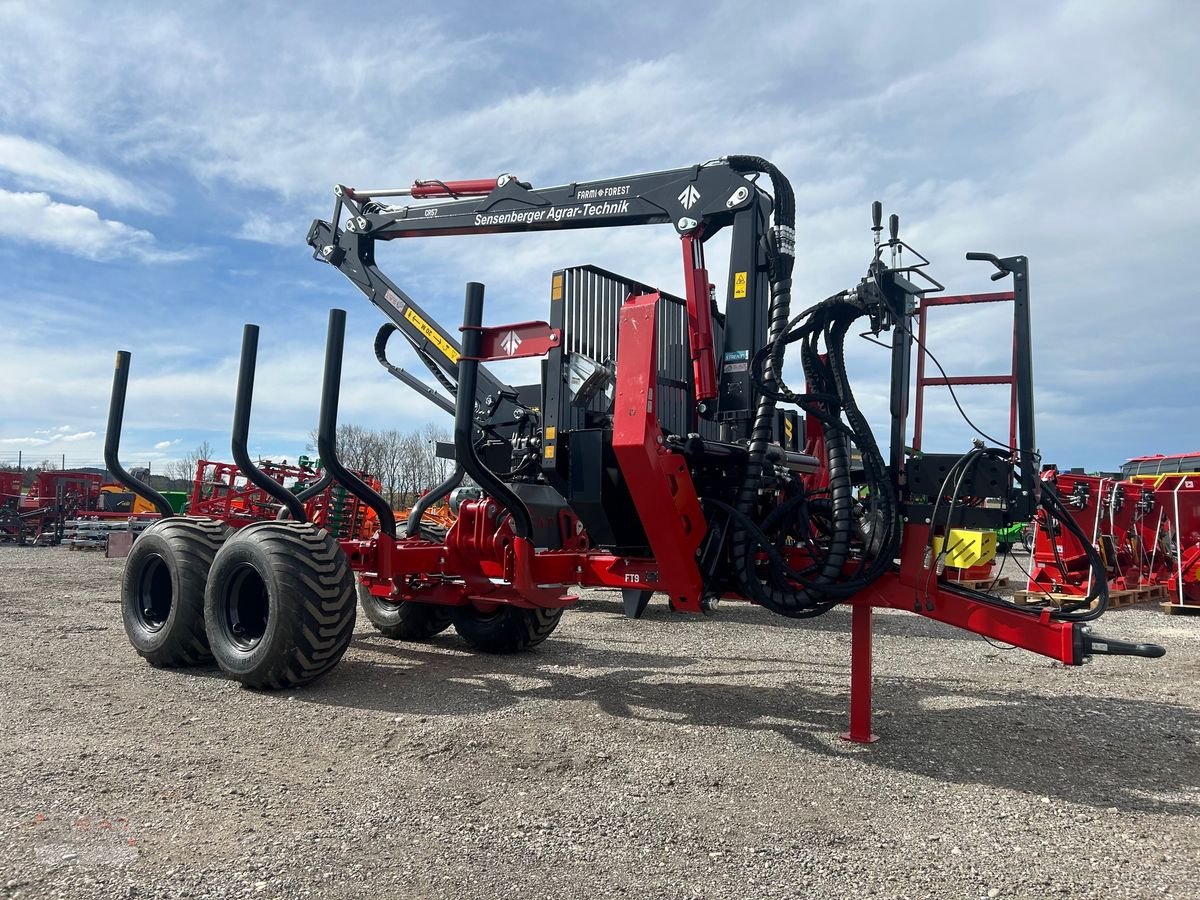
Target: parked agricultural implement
<point>1145,524</point>
<point>41,514</point>
<point>662,452</point>
<point>222,491</point>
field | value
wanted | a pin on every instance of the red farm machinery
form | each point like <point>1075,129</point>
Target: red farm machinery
<point>661,452</point>
<point>42,513</point>
<point>222,491</point>
<point>1145,523</point>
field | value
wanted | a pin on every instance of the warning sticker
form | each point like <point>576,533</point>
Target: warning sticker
<point>391,298</point>
<point>739,285</point>
<point>788,431</point>
<point>556,287</point>
<point>434,338</point>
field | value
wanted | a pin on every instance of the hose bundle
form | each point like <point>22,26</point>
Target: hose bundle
<point>827,525</point>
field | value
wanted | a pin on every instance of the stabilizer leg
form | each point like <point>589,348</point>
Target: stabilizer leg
<point>635,602</point>
<point>862,627</point>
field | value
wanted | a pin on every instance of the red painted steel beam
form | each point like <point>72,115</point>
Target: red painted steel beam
<point>970,379</point>
<point>658,480</point>
<point>961,299</point>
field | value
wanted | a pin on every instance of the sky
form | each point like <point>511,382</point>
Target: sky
<point>160,166</point>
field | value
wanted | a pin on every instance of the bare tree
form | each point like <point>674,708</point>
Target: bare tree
<point>405,463</point>
<point>184,468</point>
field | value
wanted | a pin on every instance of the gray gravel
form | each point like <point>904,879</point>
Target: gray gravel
<point>671,757</point>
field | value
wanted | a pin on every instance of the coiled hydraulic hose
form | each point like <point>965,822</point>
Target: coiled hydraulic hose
<point>823,585</point>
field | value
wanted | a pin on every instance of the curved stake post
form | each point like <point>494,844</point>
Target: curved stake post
<point>241,429</point>
<point>112,439</point>
<point>464,416</point>
<point>331,386</point>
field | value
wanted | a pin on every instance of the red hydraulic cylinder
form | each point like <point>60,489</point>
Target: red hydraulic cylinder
<point>472,187</point>
<point>700,323</point>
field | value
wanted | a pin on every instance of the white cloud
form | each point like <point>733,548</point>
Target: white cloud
<point>164,445</point>
<point>56,438</point>
<point>264,229</point>
<point>79,230</point>
<point>42,167</point>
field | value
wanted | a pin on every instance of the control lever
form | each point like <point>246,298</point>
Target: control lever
<point>876,220</point>
<point>990,257</point>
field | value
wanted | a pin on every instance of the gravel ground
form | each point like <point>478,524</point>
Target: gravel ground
<point>671,757</point>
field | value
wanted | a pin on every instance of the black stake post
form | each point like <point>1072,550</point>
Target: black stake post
<point>464,416</point>
<point>241,429</point>
<point>309,492</point>
<point>112,439</point>
<point>412,528</point>
<point>331,386</point>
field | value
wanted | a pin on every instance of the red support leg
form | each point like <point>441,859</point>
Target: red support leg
<point>861,629</point>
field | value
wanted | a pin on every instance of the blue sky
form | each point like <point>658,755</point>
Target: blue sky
<point>159,168</point>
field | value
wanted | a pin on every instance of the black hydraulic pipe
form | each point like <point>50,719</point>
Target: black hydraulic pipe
<point>331,386</point>
<point>440,401</point>
<point>112,439</point>
<point>464,416</point>
<point>309,492</point>
<point>241,429</point>
<point>412,527</point>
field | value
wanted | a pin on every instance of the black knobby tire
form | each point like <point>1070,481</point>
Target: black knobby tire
<point>280,604</point>
<point>162,590</point>
<point>506,629</point>
<point>404,620</point>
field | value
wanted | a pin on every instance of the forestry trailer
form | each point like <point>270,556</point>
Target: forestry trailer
<point>661,452</point>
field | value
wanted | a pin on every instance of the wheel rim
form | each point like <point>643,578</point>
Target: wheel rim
<point>247,608</point>
<point>155,594</point>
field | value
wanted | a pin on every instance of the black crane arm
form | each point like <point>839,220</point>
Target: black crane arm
<point>698,201</point>
<point>709,195</point>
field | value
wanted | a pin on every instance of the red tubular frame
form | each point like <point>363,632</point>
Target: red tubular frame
<point>923,382</point>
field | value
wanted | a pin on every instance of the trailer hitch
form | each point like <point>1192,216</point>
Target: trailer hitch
<point>1089,644</point>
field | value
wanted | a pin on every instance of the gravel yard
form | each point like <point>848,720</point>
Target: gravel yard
<point>669,757</point>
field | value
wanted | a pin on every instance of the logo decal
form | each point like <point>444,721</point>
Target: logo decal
<point>510,342</point>
<point>690,196</point>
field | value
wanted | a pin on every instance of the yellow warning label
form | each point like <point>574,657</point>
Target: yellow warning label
<point>549,451</point>
<point>551,431</point>
<point>739,285</point>
<point>787,430</point>
<point>434,338</point>
<point>556,286</point>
